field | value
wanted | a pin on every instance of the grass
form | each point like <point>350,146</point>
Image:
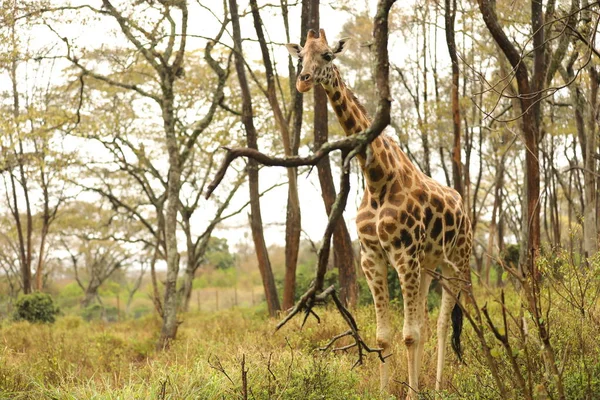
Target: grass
<point>75,359</point>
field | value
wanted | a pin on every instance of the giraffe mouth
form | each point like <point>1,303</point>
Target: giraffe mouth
<point>304,86</point>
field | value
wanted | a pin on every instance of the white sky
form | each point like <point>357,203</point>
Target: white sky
<point>236,230</point>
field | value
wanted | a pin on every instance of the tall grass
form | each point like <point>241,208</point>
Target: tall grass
<point>75,359</point>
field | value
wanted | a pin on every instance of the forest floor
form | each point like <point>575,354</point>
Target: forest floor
<point>75,359</point>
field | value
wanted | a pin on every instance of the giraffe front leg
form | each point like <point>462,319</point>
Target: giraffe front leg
<point>410,278</point>
<point>375,270</point>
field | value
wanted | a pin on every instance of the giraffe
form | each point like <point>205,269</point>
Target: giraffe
<point>406,220</point>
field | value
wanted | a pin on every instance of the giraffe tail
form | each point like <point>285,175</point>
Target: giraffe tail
<point>457,325</point>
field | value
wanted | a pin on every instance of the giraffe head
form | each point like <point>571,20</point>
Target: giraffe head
<point>316,57</point>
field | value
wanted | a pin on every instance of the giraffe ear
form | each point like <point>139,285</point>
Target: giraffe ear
<point>294,49</point>
<point>340,46</point>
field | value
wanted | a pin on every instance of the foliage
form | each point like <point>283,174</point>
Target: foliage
<point>218,255</point>
<point>35,307</point>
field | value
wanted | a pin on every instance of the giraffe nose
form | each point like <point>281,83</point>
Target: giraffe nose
<point>305,77</point>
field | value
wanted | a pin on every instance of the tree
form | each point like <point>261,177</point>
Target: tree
<point>343,252</point>
<point>164,61</point>
<point>293,225</point>
<point>256,225</point>
<point>32,159</point>
<point>87,235</point>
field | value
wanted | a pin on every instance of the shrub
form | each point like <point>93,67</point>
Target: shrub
<point>36,307</point>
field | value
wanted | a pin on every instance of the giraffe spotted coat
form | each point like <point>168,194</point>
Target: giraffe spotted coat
<point>406,220</point>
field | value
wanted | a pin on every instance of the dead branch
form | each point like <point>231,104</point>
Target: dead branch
<point>350,147</point>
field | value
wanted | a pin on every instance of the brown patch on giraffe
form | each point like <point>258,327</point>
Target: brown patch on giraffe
<point>417,212</point>
<point>382,194</point>
<point>350,122</point>
<point>419,195</point>
<point>390,158</point>
<point>368,263</point>
<point>418,232</point>
<point>396,198</point>
<point>344,105</point>
<point>428,216</point>
<point>389,212</point>
<point>436,228</point>
<point>448,236</point>
<point>374,204</point>
<point>368,275</point>
<point>407,179</point>
<point>436,202</point>
<point>336,96</point>
<point>449,218</point>
<point>451,203</point>
<point>403,217</point>
<point>375,174</point>
<point>385,161</point>
<point>409,205</point>
<point>367,229</point>
<point>364,216</point>
<point>338,110</point>
<point>406,237</point>
<point>388,228</point>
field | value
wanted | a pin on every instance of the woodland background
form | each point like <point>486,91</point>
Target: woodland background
<point>114,118</point>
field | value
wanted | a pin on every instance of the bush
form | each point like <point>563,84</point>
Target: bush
<point>36,307</point>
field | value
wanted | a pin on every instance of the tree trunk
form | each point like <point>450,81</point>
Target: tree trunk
<point>90,295</point>
<point>186,289</point>
<point>450,14</point>
<point>170,303</point>
<point>529,102</point>
<point>343,253</point>
<point>590,227</point>
<point>256,225</point>
<point>293,218</point>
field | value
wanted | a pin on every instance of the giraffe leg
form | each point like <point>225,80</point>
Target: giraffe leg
<point>449,296</point>
<point>424,291</point>
<point>410,278</point>
<point>375,269</point>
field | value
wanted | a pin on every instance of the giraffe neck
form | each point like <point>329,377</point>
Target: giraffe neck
<point>351,115</point>
<point>387,158</point>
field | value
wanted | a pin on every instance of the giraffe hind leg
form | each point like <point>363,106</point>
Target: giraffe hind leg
<point>449,312</point>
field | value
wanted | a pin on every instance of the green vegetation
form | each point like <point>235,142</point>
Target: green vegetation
<point>74,358</point>
<point>35,307</point>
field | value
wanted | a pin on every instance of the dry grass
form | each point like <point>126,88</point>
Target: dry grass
<point>74,359</point>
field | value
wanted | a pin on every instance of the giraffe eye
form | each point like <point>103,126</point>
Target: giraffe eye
<point>328,56</point>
